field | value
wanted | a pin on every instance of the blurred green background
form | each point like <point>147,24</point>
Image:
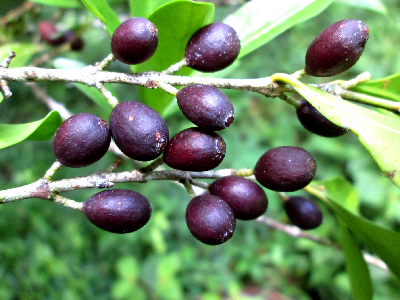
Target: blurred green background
<point>50,252</point>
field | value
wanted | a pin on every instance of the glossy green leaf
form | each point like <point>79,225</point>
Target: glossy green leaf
<point>379,133</point>
<point>1,97</point>
<point>140,8</point>
<point>259,21</point>
<point>357,269</point>
<point>388,88</point>
<point>383,242</point>
<point>23,51</point>
<point>44,129</point>
<point>104,12</point>
<point>176,23</point>
<point>60,3</point>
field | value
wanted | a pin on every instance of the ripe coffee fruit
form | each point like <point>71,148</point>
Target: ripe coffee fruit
<point>212,48</point>
<point>303,212</point>
<point>210,219</point>
<point>50,34</point>
<point>315,122</point>
<point>118,211</point>
<point>285,169</point>
<point>81,140</point>
<point>195,149</point>
<point>246,198</point>
<point>134,41</point>
<point>205,106</point>
<point>337,48</point>
<point>138,130</point>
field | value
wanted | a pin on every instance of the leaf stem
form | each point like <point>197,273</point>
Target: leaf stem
<point>373,101</point>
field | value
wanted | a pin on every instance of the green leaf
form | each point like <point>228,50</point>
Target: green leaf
<point>140,8</point>
<point>95,95</point>
<point>385,243</point>
<point>340,188</point>
<point>357,269</point>
<point>259,21</point>
<point>379,133</point>
<point>44,129</point>
<point>388,88</point>
<point>1,97</point>
<point>23,51</point>
<point>104,12</point>
<point>176,23</point>
<point>60,3</point>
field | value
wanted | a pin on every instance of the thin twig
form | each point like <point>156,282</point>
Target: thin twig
<point>297,232</point>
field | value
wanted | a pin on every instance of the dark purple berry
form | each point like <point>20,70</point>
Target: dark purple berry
<point>212,48</point>
<point>285,169</point>
<point>134,41</point>
<point>194,149</point>
<point>205,106</point>
<point>50,34</point>
<point>210,219</point>
<point>303,212</point>
<point>317,123</point>
<point>118,211</point>
<point>81,140</point>
<point>246,198</point>
<point>138,130</point>
<point>337,48</point>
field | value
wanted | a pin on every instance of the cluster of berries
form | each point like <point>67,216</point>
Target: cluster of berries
<point>142,134</point>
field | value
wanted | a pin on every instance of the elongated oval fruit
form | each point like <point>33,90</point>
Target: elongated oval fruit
<point>194,149</point>
<point>138,130</point>
<point>317,123</point>
<point>81,140</point>
<point>337,48</point>
<point>246,198</point>
<point>205,106</point>
<point>285,169</point>
<point>303,212</point>
<point>210,219</point>
<point>134,41</point>
<point>118,211</point>
<point>212,48</point>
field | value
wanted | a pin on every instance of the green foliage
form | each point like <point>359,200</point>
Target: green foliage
<point>51,252</point>
<point>386,88</point>
<point>256,29</point>
<point>104,12</point>
<point>60,3</point>
<point>43,129</point>
<point>360,279</point>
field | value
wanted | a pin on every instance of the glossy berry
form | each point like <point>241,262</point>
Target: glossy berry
<point>205,106</point>
<point>285,169</point>
<point>246,198</point>
<point>337,48</point>
<point>212,48</point>
<point>134,41</point>
<point>118,211</point>
<point>210,219</point>
<point>303,212</point>
<point>50,34</point>
<point>194,149</point>
<point>316,122</point>
<point>81,140</point>
<point>138,130</point>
